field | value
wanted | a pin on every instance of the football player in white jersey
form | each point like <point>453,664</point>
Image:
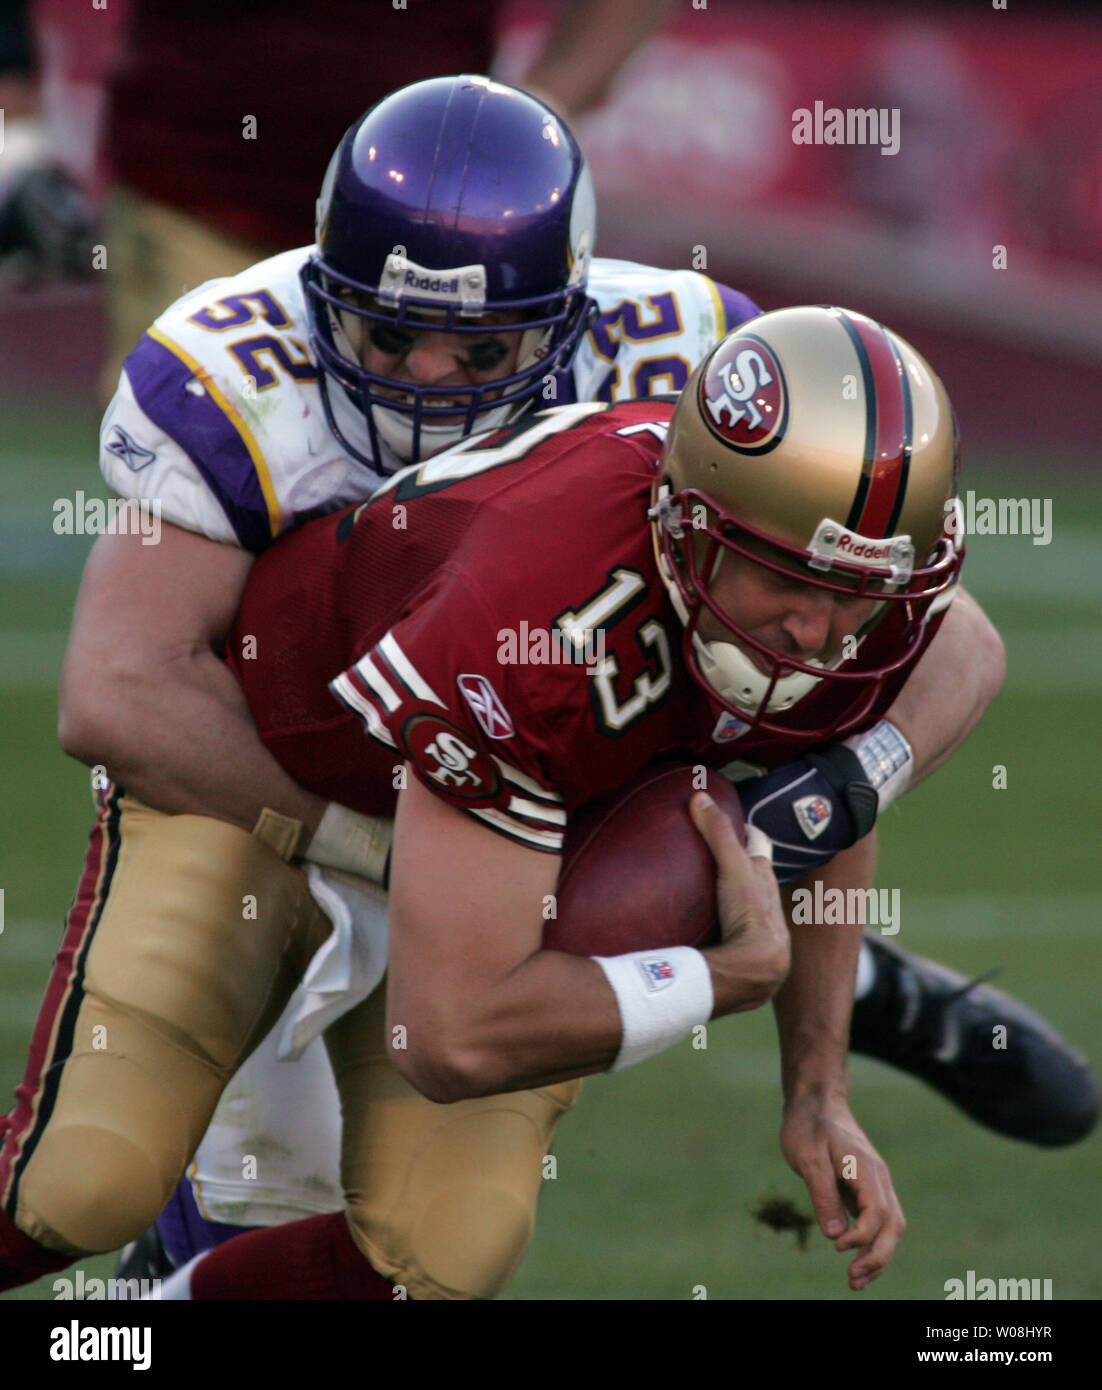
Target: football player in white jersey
<point>452,287</point>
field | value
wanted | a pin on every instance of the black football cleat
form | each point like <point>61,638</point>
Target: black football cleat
<point>933,1023</point>
<point>145,1258</point>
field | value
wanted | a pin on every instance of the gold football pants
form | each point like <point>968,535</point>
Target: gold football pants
<point>184,944</point>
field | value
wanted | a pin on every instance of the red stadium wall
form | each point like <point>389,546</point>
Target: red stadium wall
<point>999,120</point>
<point>999,146</point>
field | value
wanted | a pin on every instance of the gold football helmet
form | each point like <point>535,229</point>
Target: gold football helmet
<point>810,441</point>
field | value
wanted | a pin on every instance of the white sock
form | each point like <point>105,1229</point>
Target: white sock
<point>866,972</point>
<point>178,1284</point>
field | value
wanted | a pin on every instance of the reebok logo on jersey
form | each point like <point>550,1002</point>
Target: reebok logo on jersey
<point>129,450</point>
<point>493,718</point>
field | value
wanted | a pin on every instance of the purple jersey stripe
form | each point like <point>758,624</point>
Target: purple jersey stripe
<point>196,422</point>
<point>186,1232</point>
<point>737,306</point>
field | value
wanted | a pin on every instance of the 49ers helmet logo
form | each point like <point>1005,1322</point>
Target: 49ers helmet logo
<point>743,397</point>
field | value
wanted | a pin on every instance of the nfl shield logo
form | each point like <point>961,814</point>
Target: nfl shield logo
<point>813,814</point>
<point>728,727</point>
<point>657,973</point>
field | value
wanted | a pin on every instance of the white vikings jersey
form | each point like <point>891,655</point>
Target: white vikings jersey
<point>219,417</point>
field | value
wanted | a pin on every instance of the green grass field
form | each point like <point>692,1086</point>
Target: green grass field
<point>658,1169</point>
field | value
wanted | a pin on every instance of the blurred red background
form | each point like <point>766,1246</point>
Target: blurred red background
<point>1000,145</point>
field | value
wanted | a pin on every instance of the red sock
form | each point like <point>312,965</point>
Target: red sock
<point>23,1259</point>
<point>311,1259</point>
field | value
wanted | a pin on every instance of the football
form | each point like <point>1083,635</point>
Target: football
<point>636,874</point>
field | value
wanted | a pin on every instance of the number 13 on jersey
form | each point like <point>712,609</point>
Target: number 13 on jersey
<point>605,609</point>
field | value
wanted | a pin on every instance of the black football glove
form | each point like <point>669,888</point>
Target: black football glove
<point>811,808</point>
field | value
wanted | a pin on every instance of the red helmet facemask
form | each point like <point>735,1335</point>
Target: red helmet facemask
<point>690,552</point>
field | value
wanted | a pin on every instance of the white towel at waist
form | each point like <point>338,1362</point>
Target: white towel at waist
<point>348,965</point>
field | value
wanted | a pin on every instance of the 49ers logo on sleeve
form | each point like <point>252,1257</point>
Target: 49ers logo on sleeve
<point>448,758</point>
<point>743,397</point>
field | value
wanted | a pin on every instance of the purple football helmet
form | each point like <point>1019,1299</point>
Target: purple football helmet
<point>450,200</point>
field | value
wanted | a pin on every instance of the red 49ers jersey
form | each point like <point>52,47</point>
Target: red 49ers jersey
<point>494,618</point>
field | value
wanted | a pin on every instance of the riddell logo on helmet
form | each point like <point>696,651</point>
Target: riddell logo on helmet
<point>432,282</point>
<point>743,397</point>
<point>857,548</point>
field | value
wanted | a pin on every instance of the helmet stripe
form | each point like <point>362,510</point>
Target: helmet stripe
<point>908,438</point>
<point>870,421</point>
<point>878,500</point>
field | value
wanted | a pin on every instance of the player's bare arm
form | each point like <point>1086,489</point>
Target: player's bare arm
<point>496,1012</point>
<point>587,46</point>
<point>819,1136</point>
<point>957,678</point>
<point>143,688</point>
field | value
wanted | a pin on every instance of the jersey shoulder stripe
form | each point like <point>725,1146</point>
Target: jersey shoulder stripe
<point>736,308</point>
<point>401,710</point>
<point>551,841</point>
<point>349,693</point>
<point>179,396</point>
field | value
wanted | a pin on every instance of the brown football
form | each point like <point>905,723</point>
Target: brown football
<point>636,874</point>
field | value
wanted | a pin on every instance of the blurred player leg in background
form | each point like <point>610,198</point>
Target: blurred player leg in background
<point>157,254</point>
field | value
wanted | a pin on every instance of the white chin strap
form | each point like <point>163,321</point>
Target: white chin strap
<point>731,673</point>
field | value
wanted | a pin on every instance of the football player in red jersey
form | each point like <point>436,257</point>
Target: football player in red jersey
<point>742,618</point>
<point>720,638</point>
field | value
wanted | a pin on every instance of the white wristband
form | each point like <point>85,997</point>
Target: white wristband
<point>348,840</point>
<point>887,758</point>
<point>662,997</point>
